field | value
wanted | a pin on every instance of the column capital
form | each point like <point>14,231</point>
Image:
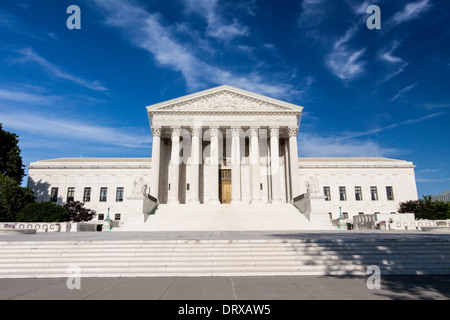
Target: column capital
<point>176,131</point>
<point>214,130</point>
<point>254,131</point>
<point>195,131</point>
<point>292,131</point>
<point>235,131</point>
<point>156,131</point>
<point>274,131</point>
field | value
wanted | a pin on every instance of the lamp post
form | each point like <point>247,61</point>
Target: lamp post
<point>107,224</point>
<point>340,214</point>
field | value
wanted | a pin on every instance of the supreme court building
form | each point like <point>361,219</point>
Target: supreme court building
<point>226,159</point>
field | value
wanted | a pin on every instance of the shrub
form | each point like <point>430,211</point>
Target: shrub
<point>78,212</point>
<point>43,212</point>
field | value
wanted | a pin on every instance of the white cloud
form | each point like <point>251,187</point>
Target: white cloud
<point>401,92</point>
<point>19,95</point>
<point>350,145</point>
<point>312,13</point>
<point>396,65</point>
<point>145,31</point>
<point>29,56</point>
<point>391,126</point>
<point>68,131</point>
<point>344,62</point>
<point>411,11</point>
<point>217,27</point>
<point>313,145</point>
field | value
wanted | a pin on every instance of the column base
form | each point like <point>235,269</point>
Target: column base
<point>194,201</point>
<point>214,202</point>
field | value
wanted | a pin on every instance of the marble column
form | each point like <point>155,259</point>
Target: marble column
<point>214,164</point>
<point>175,158</point>
<point>195,163</point>
<point>156,161</point>
<point>235,165</point>
<point>293,161</point>
<point>275,164</point>
<point>255,196</point>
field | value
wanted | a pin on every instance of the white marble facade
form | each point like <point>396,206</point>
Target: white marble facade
<point>198,137</point>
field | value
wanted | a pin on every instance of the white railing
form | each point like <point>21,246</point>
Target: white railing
<point>52,226</point>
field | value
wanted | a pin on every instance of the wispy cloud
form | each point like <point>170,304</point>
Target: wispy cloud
<point>29,56</point>
<point>19,95</point>
<point>314,145</point>
<point>146,31</point>
<point>68,131</point>
<point>401,92</point>
<point>344,62</point>
<point>395,65</point>
<point>437,105</point>
<point>391,126</point>
<point>351,145</point>
<point>411,11</point>
<point>312,13</point>
<point>217,26</point>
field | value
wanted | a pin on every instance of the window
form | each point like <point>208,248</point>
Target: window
<point>117,216</point>
<point>390,193</point>
<point>188,187</point>
<point>87,194</point>
<point>342,194</point>
<point>103,193</point>
<point>361,213</point>
<point>70,194</point>
<point>119,194</point>
<point>374,193</point>
<point>101,216</point>
<point>54,195</point>
<point>330,215</point>
<point>327,193</point>
<point>358,194</point>
<point>345,215</point>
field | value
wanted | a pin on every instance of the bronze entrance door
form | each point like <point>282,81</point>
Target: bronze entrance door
<point>225,186</point>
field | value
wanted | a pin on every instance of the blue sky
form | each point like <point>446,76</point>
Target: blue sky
<point>376,93</point>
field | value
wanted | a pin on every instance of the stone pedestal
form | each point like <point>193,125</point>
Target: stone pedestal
<point>140,207</point>
<point>311,205</point>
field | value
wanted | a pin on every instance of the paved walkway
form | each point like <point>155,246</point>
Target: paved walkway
<point>224,235</point>
<point>229,288</point>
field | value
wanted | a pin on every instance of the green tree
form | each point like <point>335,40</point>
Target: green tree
<point>43,212</point>
<point>426,208</point>
<point>78,212</point>
<point>13,198</point>
<point>10,160</point>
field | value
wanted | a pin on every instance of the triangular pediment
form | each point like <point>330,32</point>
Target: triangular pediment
<point>225,98</point>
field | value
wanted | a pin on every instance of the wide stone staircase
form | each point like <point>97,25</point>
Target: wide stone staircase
<point>218,217</point>
<point>257,257</point>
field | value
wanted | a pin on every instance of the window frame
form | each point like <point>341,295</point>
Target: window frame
<point>105,189</point>
<point>390,193</point>
<point>344,197</point>
<point>372,193</point>
<point>358,193</point>
<point>54,194</point>
<point>71,191</point>
<point>87,198</point>
<point>327,193</point>
<point>121,194</point>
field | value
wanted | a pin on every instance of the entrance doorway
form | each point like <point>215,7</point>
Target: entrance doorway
<point>225,186</point>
